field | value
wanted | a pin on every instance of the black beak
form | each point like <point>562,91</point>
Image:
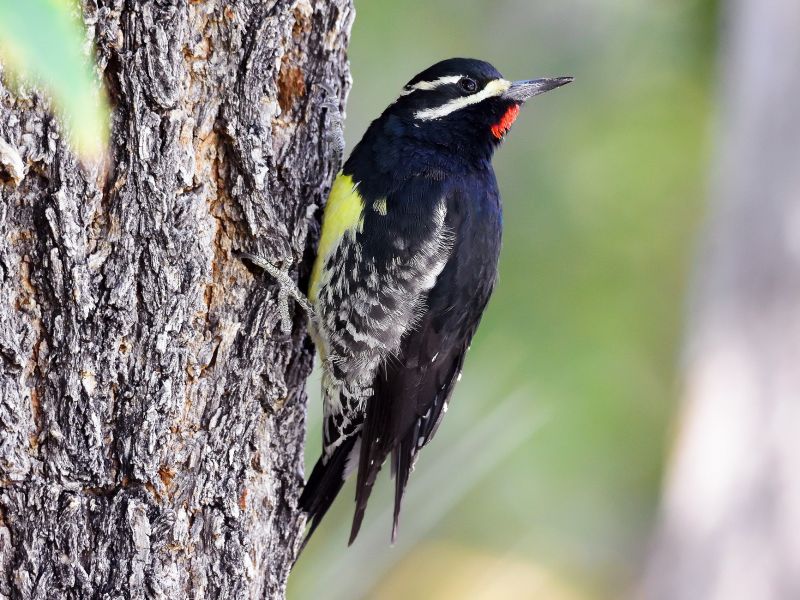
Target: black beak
<point>520,91</point>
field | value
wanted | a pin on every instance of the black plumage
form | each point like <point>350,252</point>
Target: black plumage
<point>424,175</point>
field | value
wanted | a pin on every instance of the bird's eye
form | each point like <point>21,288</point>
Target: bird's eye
<point>468,85</point>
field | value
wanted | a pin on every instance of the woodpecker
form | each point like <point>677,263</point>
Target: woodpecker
<point>407,261</point>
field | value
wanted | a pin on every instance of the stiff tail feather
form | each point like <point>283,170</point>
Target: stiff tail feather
<point>402,464</point>
<point>323,485</point>
<point>375,446</point>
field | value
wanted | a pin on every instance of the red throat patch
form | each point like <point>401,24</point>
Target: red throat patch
<point>500,128</point>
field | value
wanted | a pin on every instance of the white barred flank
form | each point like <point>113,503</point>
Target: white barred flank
<point>367,338</point>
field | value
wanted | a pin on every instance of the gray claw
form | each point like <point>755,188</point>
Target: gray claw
<point>287,288</point>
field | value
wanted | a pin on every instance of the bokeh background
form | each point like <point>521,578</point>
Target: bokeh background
<point>543,480</point>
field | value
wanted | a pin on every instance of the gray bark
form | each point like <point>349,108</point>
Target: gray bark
<point>731,516</point>
<point>151,410</point>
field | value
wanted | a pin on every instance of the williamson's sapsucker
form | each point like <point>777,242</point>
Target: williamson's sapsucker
<point>406,263</point>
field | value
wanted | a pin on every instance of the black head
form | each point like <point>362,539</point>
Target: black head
<point>462,104</point>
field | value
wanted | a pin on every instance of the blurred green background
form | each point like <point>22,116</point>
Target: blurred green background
<point>543,480</point>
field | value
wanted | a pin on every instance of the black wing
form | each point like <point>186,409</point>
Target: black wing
<point>411,392</point>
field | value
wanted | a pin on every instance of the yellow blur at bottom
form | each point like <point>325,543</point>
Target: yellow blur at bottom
<point>447,571</point>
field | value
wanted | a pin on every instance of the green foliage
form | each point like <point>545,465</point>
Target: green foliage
<point>41,42</point>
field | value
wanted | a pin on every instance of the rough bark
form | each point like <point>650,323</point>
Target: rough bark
<point>151,410</point>
<point>731,515</point>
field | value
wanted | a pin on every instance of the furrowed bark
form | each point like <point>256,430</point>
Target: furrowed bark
<point>151,410</point>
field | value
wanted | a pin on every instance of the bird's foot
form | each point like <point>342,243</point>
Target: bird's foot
<point>287,288</point>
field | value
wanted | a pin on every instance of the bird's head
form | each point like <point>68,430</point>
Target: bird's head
<point>464,104</point>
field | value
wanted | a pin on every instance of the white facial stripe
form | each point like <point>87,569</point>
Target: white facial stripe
<point>431,85</point>
<point>492,89</point>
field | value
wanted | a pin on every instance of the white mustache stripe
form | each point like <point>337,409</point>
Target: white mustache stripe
<point>493,89</point>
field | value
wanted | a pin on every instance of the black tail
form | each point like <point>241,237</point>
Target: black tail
<point>323,485</point>
<point>402,463</point>
<point>376,443</point>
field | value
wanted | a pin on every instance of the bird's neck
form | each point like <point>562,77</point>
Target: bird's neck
<point>459,150</point>
<point>394,154</point>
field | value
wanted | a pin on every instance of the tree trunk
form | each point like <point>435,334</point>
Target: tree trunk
<point>151,410</point>
<point>731,516</point>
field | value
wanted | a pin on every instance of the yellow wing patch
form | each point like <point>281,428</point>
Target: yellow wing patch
<point>344,213</point>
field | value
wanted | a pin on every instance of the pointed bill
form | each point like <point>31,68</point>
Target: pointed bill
<point>520,91</point>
